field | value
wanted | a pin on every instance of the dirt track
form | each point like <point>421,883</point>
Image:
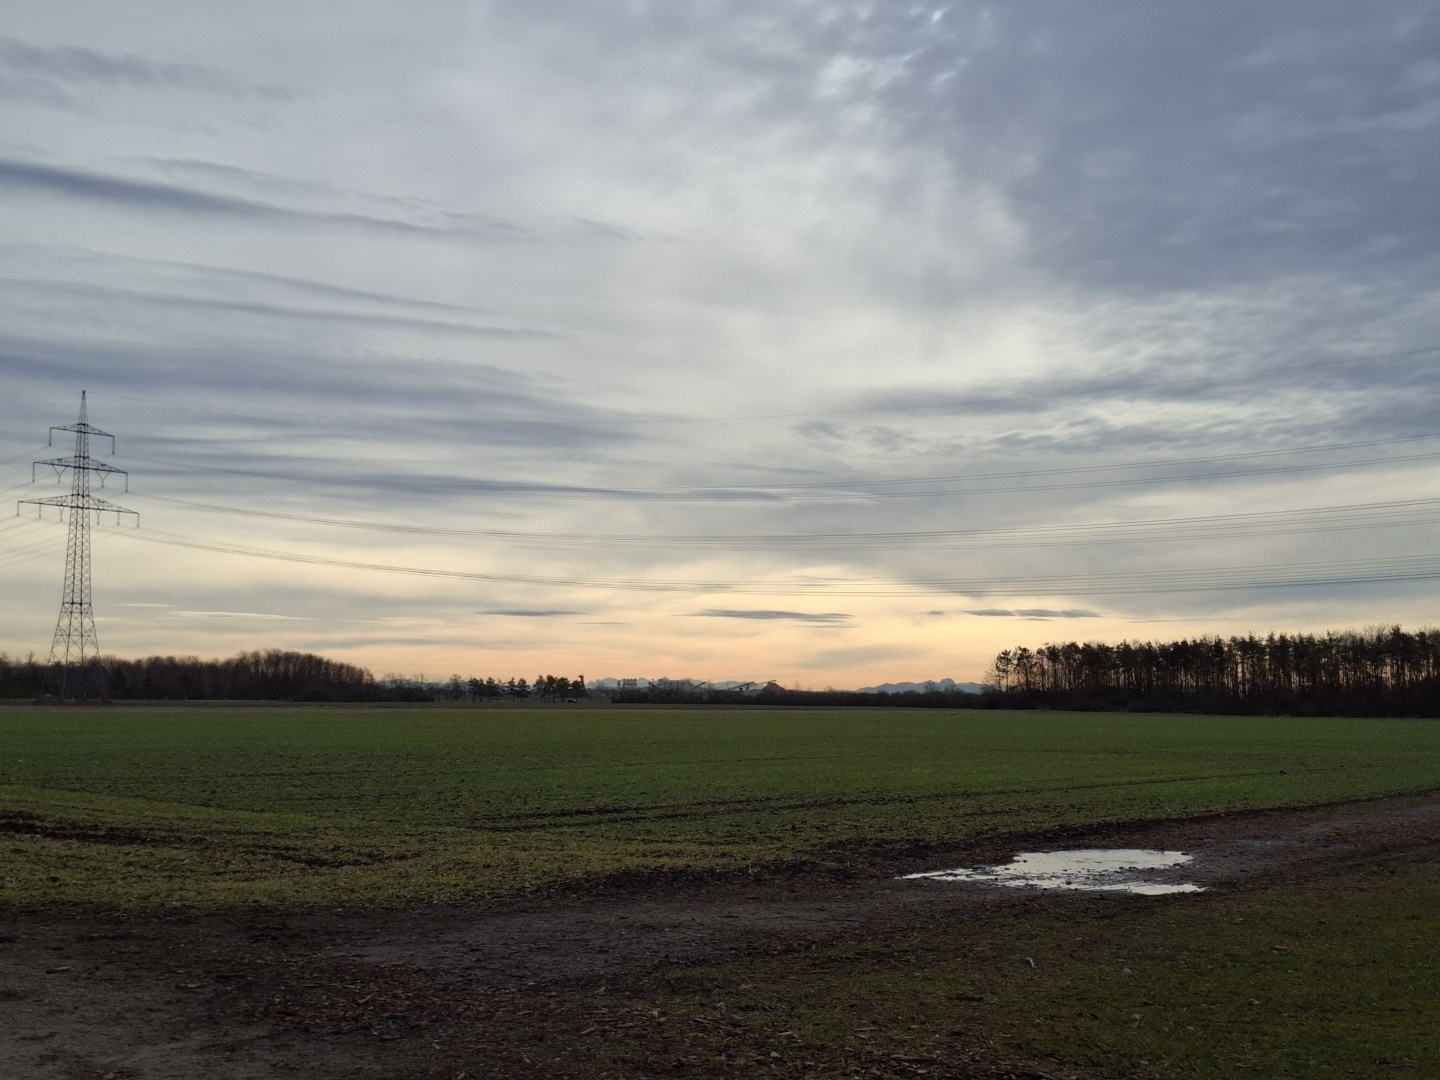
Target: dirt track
<point>508,988</point>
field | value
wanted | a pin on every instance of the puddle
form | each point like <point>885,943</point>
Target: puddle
<point>1093,869</point>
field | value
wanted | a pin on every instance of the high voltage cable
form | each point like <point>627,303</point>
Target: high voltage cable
<point>34,449</point>
<point>954,403</point>
<point>1068,470</point>
<point>1014,474</point>
<point>19,523</point>
<point>30,554</point>
<point>21,543</point>
<point>1267,522</point>
<point>1198,579</point>
<point>741,493</point>
<point>1148,384</point>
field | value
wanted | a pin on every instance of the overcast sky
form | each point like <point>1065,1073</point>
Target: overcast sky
<point>825,342</point>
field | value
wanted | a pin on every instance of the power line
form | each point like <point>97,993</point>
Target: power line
<point>956,403</point>
<point>1070,470</point>
<point>1270,522</point>
<point>20,556</point>
<point>21,543</point>
<point>1197,579</point>
<point>34,449</point>
<point>775,493</point>
<point>1232,377</point>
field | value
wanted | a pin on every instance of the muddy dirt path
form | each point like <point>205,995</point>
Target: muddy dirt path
<point>505,988</point>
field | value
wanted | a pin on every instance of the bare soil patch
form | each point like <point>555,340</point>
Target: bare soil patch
<point>548,985</point>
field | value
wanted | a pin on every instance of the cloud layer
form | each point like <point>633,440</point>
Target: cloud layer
<point>636,312</point>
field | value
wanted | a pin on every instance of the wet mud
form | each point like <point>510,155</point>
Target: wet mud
<point>517,987</point>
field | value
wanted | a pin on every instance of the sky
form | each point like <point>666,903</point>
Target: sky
<point>830,343</point>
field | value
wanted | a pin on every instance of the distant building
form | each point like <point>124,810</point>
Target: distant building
<point>748,688</point>
<point>678,684</point>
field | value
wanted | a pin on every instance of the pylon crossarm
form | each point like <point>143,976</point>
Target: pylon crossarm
<point>105,471</point>
<point>81,428</point>
<point>80,502</point>
<point>40,504</point>
<point>110,508</point>
<point>85,462</point>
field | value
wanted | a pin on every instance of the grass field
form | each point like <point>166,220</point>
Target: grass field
<point>1332,978</point>
<point>215,806</point>
<point>1336,975</point>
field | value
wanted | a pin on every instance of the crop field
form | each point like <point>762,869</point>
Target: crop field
<point>216,806</point>
<point>593,893</point>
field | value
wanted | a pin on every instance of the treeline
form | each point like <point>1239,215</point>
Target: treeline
<point>932,699</point>
<point>1378,671</point>
<point>544,688</point>
<point>270,675</point>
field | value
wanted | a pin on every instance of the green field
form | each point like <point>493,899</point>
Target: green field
<point>1338,977</point>
<point>138,808</point>
<point>292,805</point>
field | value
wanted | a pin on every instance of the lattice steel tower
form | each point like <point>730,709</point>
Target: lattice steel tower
<point>75,649</point>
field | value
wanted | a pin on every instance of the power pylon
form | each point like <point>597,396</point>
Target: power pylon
<point>75,649</point>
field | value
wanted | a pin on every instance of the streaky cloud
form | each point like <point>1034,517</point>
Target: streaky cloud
<point>74,63</point>
<point>278,311</point>
<point>32,89</point>
<point>822,617</point>
<point>418,211</point>
<point>170,198</point>
<point>229,276</point>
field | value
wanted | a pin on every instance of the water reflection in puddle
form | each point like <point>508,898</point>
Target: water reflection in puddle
<point>1094,869</point>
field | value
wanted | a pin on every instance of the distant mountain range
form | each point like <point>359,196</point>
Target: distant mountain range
<point>942,685</point>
